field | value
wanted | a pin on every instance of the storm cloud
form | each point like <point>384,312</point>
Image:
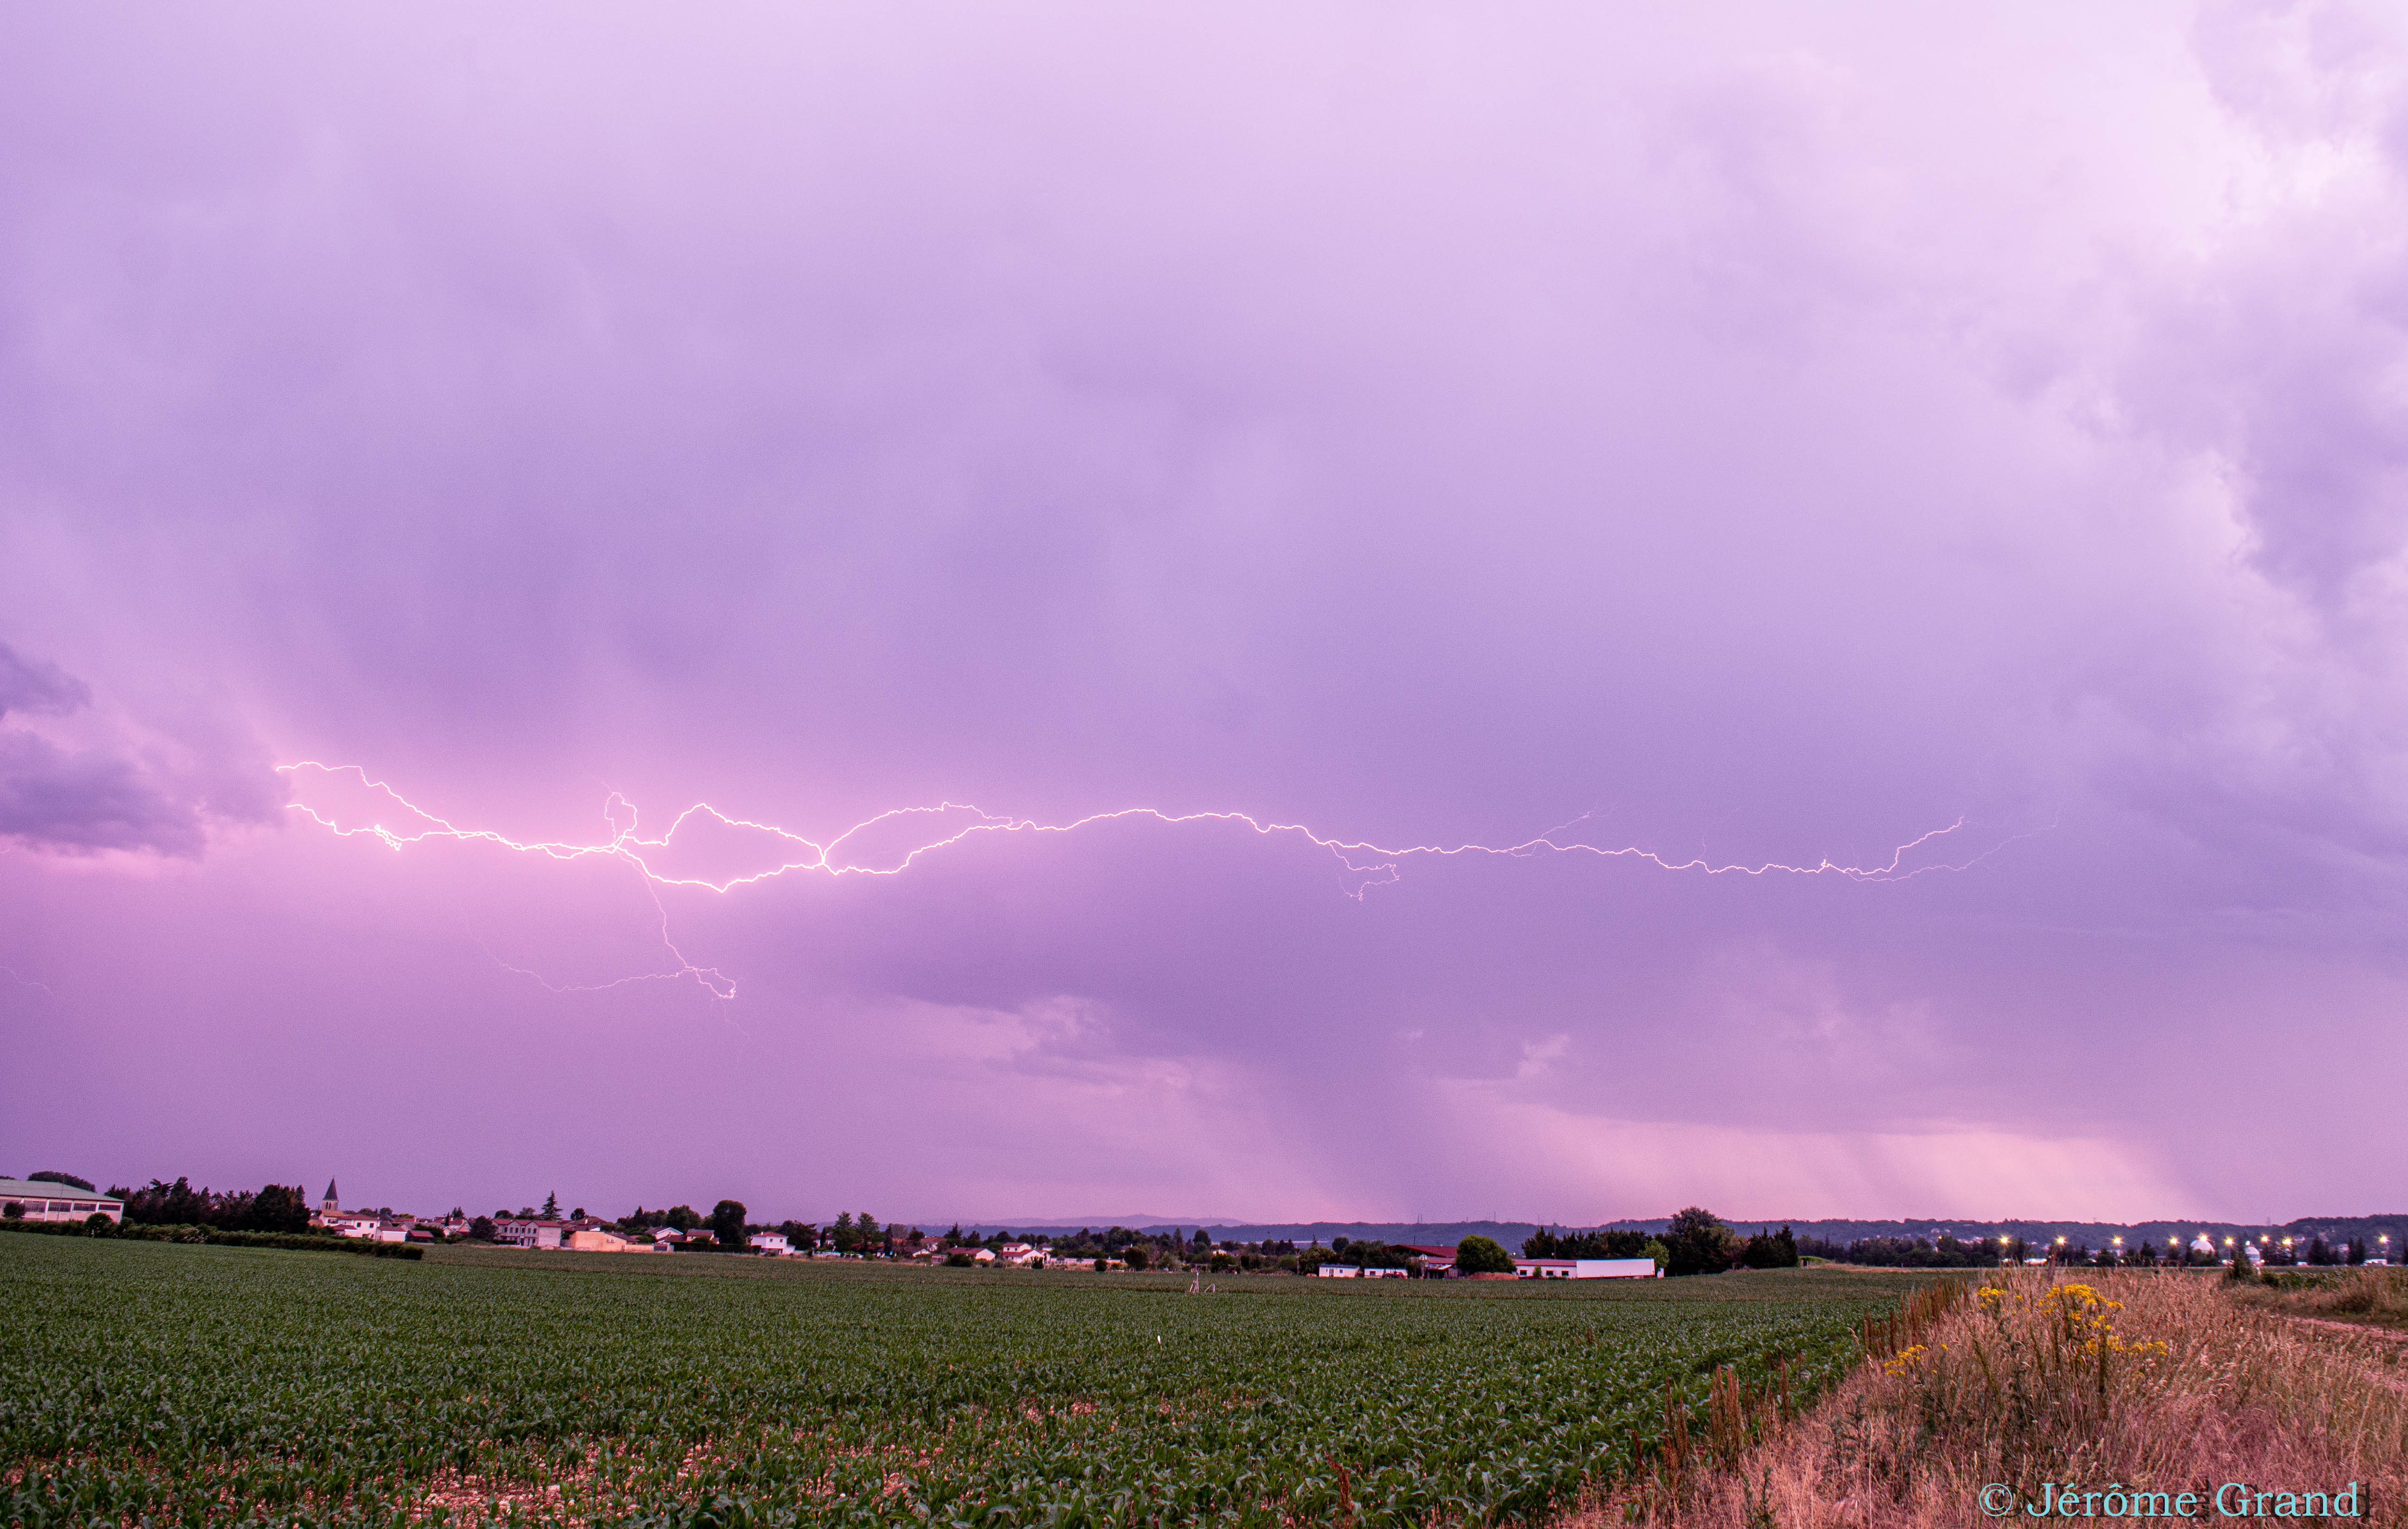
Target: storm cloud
<point>1755,437</point>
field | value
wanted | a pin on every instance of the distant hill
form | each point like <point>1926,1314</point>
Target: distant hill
<point>1444,1234</point>
<point>2336,1229</point>
<point>2093,1233</point>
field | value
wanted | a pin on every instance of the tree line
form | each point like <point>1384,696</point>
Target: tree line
<point>270,1207</point>
<point>1697,1241</point>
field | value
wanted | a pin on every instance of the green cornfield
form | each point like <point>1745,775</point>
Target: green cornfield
<point>162,1383</point>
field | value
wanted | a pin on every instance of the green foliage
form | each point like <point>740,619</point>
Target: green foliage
<point>1700,1243</point>
<point>277,1208</point>
<point>728,1223</point>
<point>1482,1255</point>
<point>1773,1251</point>
<point>274,1207</point>
<point>1612,1243</point>
<point>313,1243</point>
<point>205,1384</point>
<point>52,1175</point>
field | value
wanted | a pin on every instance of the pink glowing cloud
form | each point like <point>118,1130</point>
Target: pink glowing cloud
<point>1233,450</point>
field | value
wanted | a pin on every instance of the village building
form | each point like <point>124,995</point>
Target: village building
<point>528,1232</point>
<point>368,1225</point>
<point>594,1240</point>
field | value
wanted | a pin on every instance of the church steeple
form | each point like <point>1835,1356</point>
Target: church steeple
<point>334,1201</point>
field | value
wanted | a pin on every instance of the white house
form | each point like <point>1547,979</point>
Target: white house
<point>772,1243</point>
<point>521,1231</point>
<point>1339,1271</point>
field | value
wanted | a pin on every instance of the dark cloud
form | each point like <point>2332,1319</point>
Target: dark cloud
<point>155,795</point>
<point>55,799</point>
<point>1770,434</point>
<point>44,689</point>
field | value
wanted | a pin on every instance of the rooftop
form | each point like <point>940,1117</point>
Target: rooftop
<point>42,1189</point>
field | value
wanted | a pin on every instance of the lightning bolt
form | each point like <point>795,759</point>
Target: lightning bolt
<point>1361,865</point>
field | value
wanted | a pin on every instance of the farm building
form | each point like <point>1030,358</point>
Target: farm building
<point>1584,1268</point>
<point>42,1201</point>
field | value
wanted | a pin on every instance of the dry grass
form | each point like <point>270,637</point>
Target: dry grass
<point>2374,1297</point>
<point>2149,1381</point>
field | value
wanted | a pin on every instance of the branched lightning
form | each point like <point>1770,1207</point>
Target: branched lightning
<point>1363,865</point>
<point>23,980</point>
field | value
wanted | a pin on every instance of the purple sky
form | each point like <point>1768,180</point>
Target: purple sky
<point>1764,433</point>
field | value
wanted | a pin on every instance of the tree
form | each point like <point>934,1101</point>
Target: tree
<point>481,1229</point>
<point>52,1175</point>
<point>1775,1251</point>
<point>728,1223</point>
<point>1482,1255</point>
<point>682,1216</point>
<point>1135,1255</point>
<point>1620,1242</point>
<point>552,1205</point>
<point>872,1235</point>
<point>279,1207</point>
<point>1699,1242</point>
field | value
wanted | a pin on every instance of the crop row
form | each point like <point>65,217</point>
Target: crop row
<point>205,1384</point>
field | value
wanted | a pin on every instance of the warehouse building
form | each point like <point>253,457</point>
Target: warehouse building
<point>40,1200</point>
